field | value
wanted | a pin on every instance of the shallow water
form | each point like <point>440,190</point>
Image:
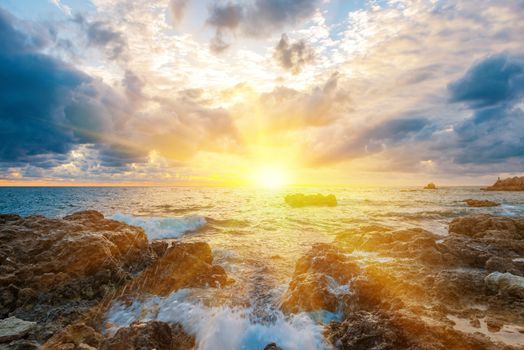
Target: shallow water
<point>257,238</point>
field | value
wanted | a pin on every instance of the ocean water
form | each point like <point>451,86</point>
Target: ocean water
<point>257,238</point>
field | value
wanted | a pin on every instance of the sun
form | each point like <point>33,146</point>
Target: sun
<point>271,177</point>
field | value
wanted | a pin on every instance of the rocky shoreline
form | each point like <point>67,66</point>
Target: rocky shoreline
<point>393,289</point>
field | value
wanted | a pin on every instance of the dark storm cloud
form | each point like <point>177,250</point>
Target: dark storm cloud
<point>493,89</point>
<point>46,106</point>
<point>258,18</point>
<point>496,79</point>
<point>293,56</point>
<point>377,138</point>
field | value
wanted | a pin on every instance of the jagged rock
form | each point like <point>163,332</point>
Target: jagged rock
<point>299,200</point>
<point>488,226</point>
<point>510,184</point>
<point>53,270</point>
<point>13,328</point>
<point>505,283</point>
<point>272,346</point>
<point>74,337</point>
<point>183,265</point>
<point>317,277</point>
<point>480,203</point>
<point>430,186</point>
<point>150,335</point>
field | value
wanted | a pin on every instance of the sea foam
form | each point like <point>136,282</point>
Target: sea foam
<point>221,327</point>
<point>163,228</point>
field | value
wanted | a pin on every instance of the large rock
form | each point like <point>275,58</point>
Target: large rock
<point>299,200</point>
<point>488,226</point>
<point>53,270</point>
<point>183,265</point>
<point>319,277</point>
<point>150,335</point>
<point>13,328</point>
<point>510,184</point>
<point>430,186</point>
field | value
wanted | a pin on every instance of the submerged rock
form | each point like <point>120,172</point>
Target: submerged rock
<point>300,200</point>
<point>150,335</point>
<point>476,203</point>
<point>430,186</point>
<point>53,270</point>
<point>510,184</point>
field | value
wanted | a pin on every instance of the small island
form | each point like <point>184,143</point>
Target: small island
<point>430,186</point>
<point>480,203</point>
<point>299,200</point>
<point>510,184</point>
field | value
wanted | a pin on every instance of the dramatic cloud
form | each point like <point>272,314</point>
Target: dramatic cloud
<point>493,89</point>
<point>293,56</point>
<point>258,18</point>
<point>101,34</point>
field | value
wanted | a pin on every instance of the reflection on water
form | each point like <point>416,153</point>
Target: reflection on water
<point>256,237</point>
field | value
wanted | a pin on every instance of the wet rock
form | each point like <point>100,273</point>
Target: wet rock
<point>430,186</point>
<point>184,265</point>
<point>506,284</point>
<point>272,346</point>
<point>75,337</point>
<point>510,184</point>
<point>13,328</point>
<point>54,270</point>
<point>488,226</point>
<point>476,203</point>
<point>319,277</point>
<point>493,324</point>
<point>150,335</point>
<point>300,200</point>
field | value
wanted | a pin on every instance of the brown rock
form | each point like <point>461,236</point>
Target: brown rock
<point>488,226</point>
<point>510,184</point>
<point>430,186</point>
<point>184,265</point>
<point>150,335</point>
<point>476,203</point>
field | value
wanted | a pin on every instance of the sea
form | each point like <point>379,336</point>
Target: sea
<point>257,238</point>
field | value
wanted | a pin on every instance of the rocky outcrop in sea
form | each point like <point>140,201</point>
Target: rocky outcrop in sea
<point>510,184</point>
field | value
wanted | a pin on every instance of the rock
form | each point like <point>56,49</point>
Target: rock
<point>430,186</point>
<point>493,324</point>
<point>54,270</point>
<point>476,203</point>
<point>300,200</point>
<point>13,328</point>
<point>488,226</point>
<point>319,276</point>
<point>510,184</point>
<point>184,265</point>
<point>150,335</point>
<point>74,336</point>
<point>272,346</point>
<point>506,284</point>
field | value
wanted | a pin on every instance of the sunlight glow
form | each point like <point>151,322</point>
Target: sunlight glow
<point>271,177</point>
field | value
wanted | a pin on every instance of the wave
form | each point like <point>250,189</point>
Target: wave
<point>163,228</point>
<point>221,327</point>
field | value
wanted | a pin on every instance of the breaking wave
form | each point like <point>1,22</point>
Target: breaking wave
<point>163,228</point>
<point>221,327</point>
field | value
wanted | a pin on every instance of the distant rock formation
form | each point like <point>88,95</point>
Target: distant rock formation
<point>510,184</point>
<point>430,186</point>
<point>299,200</point>
<point>479,203</point>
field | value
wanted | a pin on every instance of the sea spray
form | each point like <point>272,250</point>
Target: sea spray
<point>163,227</point>
<point>221,327</point>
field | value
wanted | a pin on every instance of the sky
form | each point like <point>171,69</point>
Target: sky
<point>228,92</point>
